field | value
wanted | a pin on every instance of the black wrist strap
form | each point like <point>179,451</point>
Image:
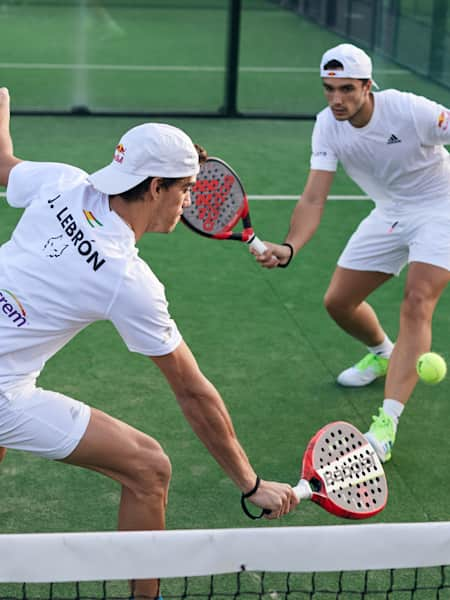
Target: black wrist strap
<point>264,511</point>
<point>291,248</point>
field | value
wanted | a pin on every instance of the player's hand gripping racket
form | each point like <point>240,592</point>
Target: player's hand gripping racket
<point>342,473</point>
<point>218,202</point>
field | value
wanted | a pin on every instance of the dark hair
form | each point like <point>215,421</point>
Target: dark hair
<point>137,192</point>
<point>202,154</point>
<point>333,64</point>
<point>336,64</point>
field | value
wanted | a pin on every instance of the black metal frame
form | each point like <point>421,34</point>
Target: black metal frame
<point>322,12</point>
<point>230,104</point>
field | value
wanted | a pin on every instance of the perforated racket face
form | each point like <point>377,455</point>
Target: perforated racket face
<point>346,471</point>
<point>217,199</point>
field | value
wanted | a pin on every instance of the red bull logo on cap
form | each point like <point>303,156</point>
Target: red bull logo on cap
<point>443,120</point>
<point>119,153</point>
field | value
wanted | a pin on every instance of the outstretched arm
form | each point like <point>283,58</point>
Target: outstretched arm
<point>206,412</point>
<point>304,221</point>
<point>7,158</point>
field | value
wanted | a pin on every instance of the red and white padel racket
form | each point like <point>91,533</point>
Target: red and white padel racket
<point>218,202</point>
<point>342,473</point>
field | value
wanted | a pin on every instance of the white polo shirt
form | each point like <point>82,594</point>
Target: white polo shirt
<point>71,261</point>
<point>397,159</point>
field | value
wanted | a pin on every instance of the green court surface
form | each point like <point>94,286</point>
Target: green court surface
<point>262,337</point>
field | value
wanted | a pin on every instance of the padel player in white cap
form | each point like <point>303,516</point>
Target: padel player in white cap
<point>391,144</point>
<point>72,260</point>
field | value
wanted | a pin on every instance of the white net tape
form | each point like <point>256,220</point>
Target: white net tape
<point>184,553</point>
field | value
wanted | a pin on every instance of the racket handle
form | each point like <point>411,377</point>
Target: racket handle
<point>256,244</point>
<point>303,490</point>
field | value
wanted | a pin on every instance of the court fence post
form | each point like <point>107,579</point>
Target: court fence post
<point>232,67</point>
<point>440,13</point>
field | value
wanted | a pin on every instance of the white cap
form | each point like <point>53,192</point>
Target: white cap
<point>355,62</point>
<point>149,150</point>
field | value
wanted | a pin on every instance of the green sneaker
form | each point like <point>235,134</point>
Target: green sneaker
<point>381,435</point>
<point>364,372</point>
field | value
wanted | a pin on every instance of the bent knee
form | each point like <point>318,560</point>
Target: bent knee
<point>150,468</point>
<point>335,304</point>
<point>417,305</point>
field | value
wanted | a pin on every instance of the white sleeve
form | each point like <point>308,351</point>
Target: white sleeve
<point>27,178</point>
<point>140,313</point>
<point>323,157</point>
<point>432,121</point>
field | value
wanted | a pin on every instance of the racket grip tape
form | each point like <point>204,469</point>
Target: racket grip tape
<point>256,244</point>
<point>303,490</point>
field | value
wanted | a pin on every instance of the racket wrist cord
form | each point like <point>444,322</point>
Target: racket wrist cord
<point>254,488</point>
<point>291,248</point>
<point>246,495</point>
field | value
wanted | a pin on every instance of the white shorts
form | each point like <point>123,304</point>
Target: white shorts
<point>381,243</point>
<point>45,423</point>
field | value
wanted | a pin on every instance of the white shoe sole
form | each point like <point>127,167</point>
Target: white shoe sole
<point>355,378</point>
<point>383,451</point>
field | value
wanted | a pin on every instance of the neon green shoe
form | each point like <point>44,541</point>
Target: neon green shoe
<point>381,435</point>
<point>364,372</point>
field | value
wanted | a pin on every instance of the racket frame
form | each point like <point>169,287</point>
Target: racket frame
<point>313,484</point>
<point>247,234</point>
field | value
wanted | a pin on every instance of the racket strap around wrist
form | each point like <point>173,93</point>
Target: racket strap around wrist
<point>247,495</point>
<point>291,248</point>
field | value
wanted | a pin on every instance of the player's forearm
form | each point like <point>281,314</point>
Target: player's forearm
<point>209,418</point>
<point>205,411</point>
<point>305,220</point>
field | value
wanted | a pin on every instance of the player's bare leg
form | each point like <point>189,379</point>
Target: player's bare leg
<point>425,284</point>
<point>345,303</point>
<point>2,453</point>
<point>139,464</point>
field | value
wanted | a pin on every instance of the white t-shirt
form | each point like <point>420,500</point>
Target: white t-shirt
<point>71,261</point>
<point>397,159</point>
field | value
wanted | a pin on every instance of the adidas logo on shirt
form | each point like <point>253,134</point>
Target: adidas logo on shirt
<point>393,139</point>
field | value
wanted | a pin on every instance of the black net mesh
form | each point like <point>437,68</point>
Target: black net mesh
<point>401,584</point>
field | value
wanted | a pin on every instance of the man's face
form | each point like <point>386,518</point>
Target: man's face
<point>346,97</point>
<point>169,205</point>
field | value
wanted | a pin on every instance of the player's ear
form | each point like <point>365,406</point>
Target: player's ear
<point>155,185</point>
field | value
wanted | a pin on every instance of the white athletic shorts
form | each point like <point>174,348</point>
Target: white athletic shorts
<point>45,423</point>
<point>382,243</point>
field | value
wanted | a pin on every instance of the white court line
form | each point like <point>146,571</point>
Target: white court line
<point>97,67</point>
<point>297,197</point>
<point>275,197</point>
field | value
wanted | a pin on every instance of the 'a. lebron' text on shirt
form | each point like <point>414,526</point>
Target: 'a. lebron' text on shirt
<point>70,261</point>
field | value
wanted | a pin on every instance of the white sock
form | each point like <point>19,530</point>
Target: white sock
<point>384,349</point>
<point>393,408</point>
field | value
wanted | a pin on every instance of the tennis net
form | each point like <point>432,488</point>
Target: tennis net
<point>343,562</point>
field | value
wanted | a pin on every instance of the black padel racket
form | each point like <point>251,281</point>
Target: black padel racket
<point>218,202</point>
<point>342,473</point>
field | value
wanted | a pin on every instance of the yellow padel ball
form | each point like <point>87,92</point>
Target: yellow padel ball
<point>431,368</point>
